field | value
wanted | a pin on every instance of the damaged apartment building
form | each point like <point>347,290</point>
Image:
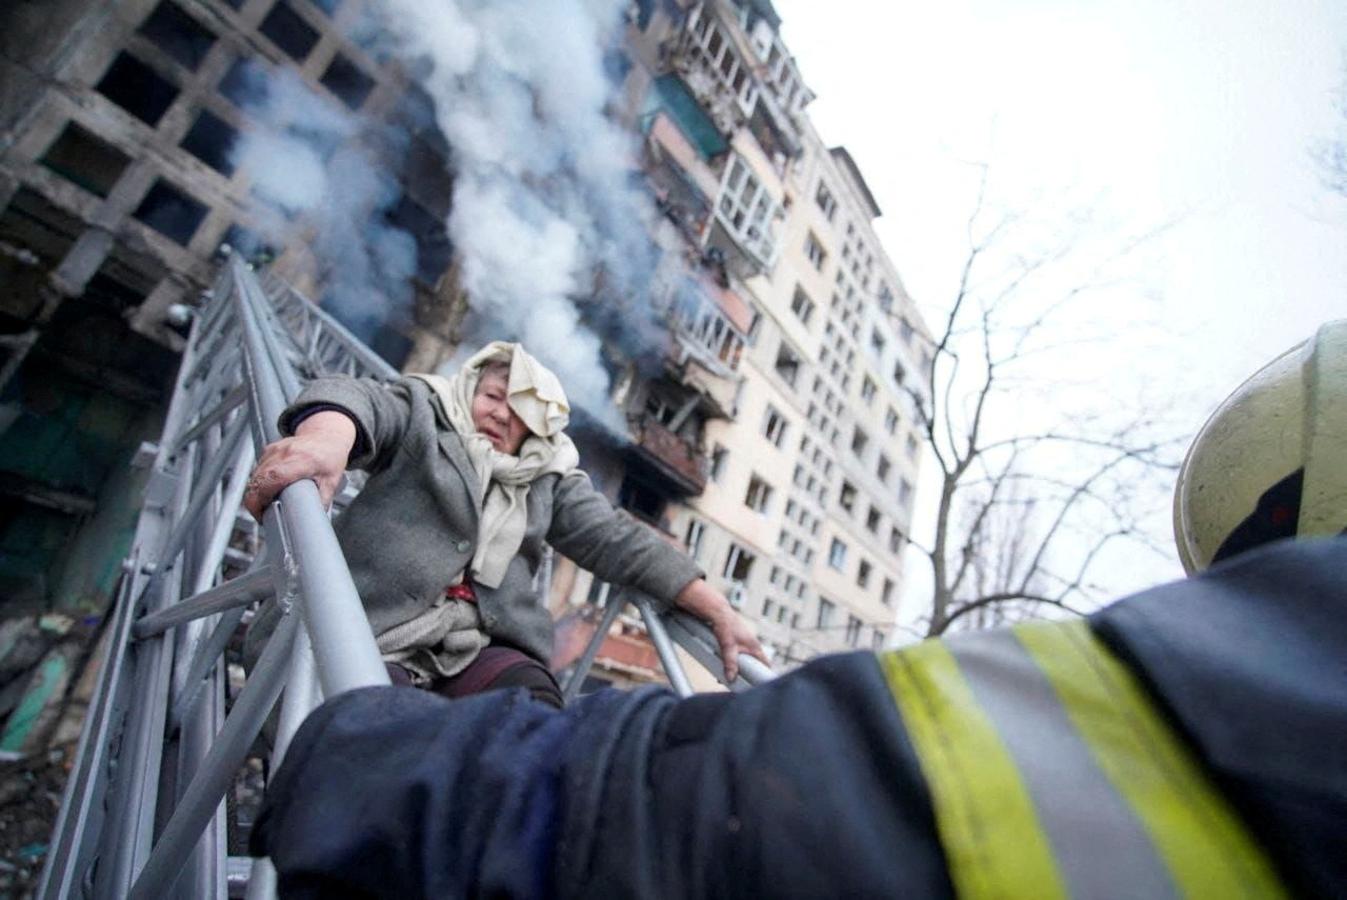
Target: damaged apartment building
<point>793,372</point>
<point>774,438</point>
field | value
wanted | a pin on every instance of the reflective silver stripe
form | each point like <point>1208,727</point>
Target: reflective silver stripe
<point>1101,848</point>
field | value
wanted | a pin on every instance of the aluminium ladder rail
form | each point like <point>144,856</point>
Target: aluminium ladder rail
<point>143,812</point>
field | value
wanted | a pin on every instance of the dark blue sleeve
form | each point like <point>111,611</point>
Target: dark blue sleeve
<point>802,787</point>
<point>1250,661</point>
<point>395,792</point>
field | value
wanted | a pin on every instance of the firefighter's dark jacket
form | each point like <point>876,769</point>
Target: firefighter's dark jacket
<point>808,786</point>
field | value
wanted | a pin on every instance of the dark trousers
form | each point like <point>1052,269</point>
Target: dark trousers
<point>497,667</point>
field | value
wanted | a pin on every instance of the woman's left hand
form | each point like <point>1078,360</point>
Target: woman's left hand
<point>732,633</point>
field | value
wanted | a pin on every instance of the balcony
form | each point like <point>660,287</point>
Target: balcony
<point>669,455</point>
<point>718,70</point>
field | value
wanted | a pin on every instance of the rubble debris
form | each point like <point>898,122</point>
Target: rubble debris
<point>30,796</point>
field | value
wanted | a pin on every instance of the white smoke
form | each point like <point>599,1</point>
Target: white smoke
<point>542,201</point>
<point>306,163</point>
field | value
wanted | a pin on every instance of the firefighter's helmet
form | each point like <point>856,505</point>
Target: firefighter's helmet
<point>1271,462</point>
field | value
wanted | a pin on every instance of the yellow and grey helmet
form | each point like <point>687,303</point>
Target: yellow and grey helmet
<point>1271,462</point>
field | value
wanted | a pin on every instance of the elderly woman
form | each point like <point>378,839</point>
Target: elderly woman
<point>469,476</point>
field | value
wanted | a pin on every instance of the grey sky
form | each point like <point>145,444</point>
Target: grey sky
<point>1209,109</point>
<point>1204,111</point>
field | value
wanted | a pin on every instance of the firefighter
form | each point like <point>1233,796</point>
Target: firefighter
<point>1187,741</point>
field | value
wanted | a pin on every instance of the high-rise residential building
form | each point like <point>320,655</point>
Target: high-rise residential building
<point>812,465</point>
<point>771,434</point>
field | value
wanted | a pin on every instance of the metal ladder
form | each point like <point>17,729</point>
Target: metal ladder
<point>143,813</point>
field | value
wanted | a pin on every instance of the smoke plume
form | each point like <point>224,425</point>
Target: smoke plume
<point>313,164</point>
<point>551,236</point>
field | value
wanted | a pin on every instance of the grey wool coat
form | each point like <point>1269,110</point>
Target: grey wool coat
<point>413,527</point>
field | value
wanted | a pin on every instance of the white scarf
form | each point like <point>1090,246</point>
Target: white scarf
<point>536,396</point>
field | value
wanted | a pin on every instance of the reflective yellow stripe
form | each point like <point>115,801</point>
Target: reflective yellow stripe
<point>1197,834</point>
<point>991,835</point>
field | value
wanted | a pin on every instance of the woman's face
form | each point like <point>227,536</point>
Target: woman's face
<point>493,418</point>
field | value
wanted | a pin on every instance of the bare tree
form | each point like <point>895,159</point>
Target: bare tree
<point>1028,502</point>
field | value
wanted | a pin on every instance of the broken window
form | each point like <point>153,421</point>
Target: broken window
<point>171,212</point>
<point>853,631</point>
<point>179,35</point>
<point>211,140</point>
<point>886,592</point>
<point>872,520</point>
<point>863,574</point>
<point>347,81</point>
<point>137,88</point>
<point>288,31</point>
<point>640,498</point>
<point>88,161</point>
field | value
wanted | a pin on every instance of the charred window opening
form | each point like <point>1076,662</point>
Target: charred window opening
<point>346,80</point>
<point>107,292</point>
<point>433,248</point>
<point>137,88</point>
<point>88,161</point>
<point>245,84</point>
<point>211,140</point>
<point>36,224</point>
<point>641,499</point>
<point>176,33</point>
<point>288,31</point>
<point>36,235</point>
<point>171,212</point>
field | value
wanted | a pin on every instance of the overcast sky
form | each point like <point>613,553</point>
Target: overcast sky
<point>1201,111</point>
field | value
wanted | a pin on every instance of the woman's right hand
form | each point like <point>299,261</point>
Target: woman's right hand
<point>319,451</point>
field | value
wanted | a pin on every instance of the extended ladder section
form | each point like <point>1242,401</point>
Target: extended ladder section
<point>144,812</point>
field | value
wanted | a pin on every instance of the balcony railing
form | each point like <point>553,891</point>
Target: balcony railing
<point>674,456</point>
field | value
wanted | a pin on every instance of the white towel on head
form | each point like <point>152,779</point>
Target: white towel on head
<point>536,396</point>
